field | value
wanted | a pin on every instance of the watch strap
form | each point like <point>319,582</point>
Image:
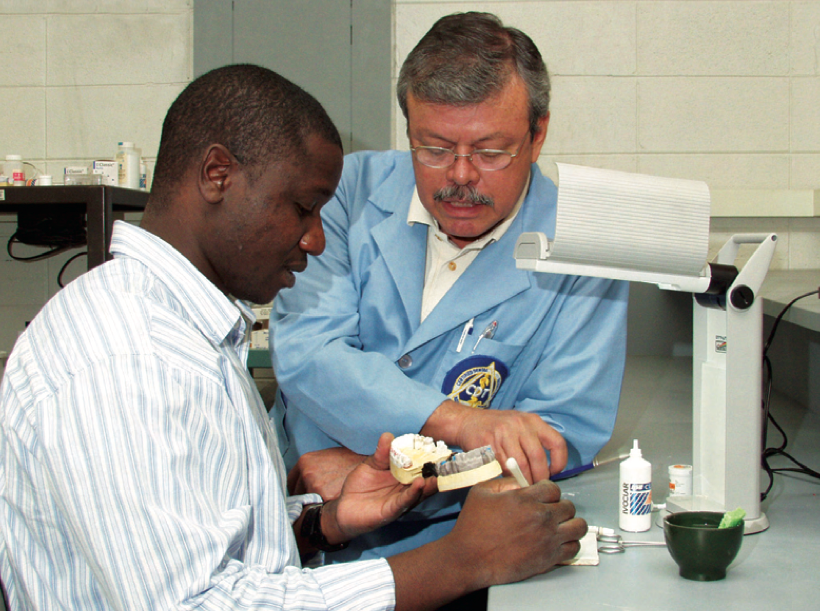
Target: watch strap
<point>312,530</point>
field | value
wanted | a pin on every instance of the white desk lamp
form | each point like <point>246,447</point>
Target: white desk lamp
<point>642,228</point>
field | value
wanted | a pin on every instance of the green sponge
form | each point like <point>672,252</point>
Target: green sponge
<point>732,518</point>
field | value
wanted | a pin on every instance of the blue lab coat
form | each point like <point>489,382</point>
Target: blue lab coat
<point>353,360</point>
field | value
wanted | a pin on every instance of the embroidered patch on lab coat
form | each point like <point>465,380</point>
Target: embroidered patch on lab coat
<point>475,381</point>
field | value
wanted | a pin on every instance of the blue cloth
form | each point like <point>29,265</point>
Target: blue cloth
<point>138,468</point>
<point>353,359</point>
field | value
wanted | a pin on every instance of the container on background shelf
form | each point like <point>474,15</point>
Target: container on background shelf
<point>13,168</point>
<point>128,165</point>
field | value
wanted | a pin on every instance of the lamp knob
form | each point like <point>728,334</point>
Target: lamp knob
<point>742,297</point>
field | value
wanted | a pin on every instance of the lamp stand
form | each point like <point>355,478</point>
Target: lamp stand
<point>727,392</point>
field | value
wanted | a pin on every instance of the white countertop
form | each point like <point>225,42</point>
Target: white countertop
<point>774,569</point>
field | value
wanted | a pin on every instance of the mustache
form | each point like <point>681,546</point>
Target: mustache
<point>465,193</point>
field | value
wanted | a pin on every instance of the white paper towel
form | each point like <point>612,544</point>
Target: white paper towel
<point>635,221</point>
<point>588,554</point>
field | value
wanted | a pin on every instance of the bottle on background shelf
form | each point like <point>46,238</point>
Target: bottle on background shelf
<point>128,165</point>
<point>14,170</point>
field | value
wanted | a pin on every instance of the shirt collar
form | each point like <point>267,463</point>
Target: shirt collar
<point>419,214</point>
<point>213,313</point>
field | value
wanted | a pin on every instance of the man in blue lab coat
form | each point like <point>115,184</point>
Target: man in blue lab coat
<point>415,319</point>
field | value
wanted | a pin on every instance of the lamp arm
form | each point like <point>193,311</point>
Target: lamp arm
<point>754,272</point>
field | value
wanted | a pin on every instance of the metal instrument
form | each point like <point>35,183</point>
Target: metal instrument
<point>614,544</point>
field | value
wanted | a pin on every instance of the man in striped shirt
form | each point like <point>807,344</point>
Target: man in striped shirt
<point>138,469</point>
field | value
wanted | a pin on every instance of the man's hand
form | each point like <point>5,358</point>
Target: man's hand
<point>524,436</point>
<point>516,533</point>
<point>323,472</point>
<point>371,497</point>
<point>503,534</point>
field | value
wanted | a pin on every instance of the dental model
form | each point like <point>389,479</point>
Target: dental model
<point>413,456</point>
<point>464,469</point>
<point>409,453</point>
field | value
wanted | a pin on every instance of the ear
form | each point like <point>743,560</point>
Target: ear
<point>217,172</point>
<point>540,136</point>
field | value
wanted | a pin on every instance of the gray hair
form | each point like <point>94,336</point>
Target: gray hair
<point>467,58</point>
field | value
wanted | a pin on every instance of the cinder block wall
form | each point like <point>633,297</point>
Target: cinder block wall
<point>78,76</point>
<point>727,92</point>
<point>721,91</point>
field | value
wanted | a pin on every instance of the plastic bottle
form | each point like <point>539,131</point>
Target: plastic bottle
<point>13,168</point>
<point>635,492</point>
<point>128,166</point>
<point>680,480</point>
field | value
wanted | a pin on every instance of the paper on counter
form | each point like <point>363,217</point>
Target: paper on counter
<point>588,554</point>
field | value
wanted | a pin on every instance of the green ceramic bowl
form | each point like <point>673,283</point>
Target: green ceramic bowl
<point>701,549</point>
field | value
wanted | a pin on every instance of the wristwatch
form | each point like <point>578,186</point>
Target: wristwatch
<point>312,530</point>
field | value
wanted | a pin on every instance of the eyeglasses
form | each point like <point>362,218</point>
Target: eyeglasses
<point>482,159</point>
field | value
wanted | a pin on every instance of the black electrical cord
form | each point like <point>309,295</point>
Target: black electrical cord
<point>38,257</point>
<point>767,416</point>
<point>46,255</point>
<point>66,264</point>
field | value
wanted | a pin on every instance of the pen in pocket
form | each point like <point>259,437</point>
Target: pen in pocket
<point>488,332</point>
<point>468,330</point>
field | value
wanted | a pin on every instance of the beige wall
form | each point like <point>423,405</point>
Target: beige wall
<point>77,77</point>
<point>80,75</point>
<point>725,92</point>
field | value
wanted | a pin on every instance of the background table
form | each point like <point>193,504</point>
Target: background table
<point>781,286</point>
<point>98,202</point>
<point>774,569</point>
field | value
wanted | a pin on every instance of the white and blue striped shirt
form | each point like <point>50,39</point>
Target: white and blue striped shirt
<point>137,466</point>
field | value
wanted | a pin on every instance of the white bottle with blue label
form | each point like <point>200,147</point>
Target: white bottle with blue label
<point>635,492</point>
